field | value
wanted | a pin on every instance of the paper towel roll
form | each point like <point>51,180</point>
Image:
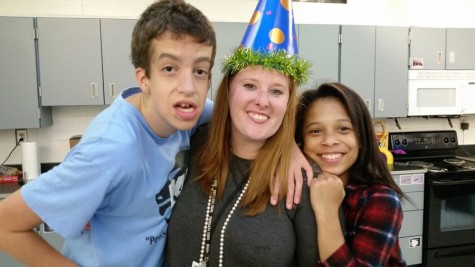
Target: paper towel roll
<point>29,158</point>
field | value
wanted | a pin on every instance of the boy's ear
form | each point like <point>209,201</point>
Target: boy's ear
<point>142,79</point>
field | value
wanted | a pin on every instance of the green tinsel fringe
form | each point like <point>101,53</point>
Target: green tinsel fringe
<point>289,65</point>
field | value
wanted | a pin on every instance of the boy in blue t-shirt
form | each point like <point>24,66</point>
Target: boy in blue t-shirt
<point>126,173</point>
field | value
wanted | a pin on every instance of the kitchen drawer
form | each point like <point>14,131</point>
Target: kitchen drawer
<point>410,182</point>
<point>411,248</point>
<point>411,223</point>
<point>417,199</point>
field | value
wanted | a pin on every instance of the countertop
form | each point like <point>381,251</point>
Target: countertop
<point>466,152</point>
<point>403,169</point>
<point>8,188</point>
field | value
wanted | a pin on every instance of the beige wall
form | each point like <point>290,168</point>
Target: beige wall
<point>70,121</point>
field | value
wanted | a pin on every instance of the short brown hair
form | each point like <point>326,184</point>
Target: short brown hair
<point>174,16</point>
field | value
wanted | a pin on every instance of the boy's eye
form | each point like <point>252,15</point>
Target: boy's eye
<point>168,68</point>
<point>202,72</point>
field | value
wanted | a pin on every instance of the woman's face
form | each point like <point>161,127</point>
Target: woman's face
<point>257,101</point>
<point>329,137</point>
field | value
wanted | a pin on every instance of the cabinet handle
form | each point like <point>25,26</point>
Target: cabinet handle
<point>439,57</point>
<point>381,104</point>
<point>452,57</point>
<point>94,92</point>
<point>368,104</point>
<point>112,87</point>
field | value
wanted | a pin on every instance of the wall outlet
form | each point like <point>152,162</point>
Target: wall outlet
<point>21,134</point>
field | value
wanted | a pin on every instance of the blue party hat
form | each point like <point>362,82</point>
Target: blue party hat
<point>270,41</point>
<point>272,27</point>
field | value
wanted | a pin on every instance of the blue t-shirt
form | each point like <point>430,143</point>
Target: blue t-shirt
<point>122,179</point>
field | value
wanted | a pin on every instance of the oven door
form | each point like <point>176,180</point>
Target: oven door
<point>449,221</point>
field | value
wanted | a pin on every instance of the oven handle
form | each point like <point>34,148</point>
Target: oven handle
<point>459,182</point>
<point>457,253</point>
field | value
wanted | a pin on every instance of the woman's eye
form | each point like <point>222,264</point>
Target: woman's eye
<point>249,86</point>
<point>276,92</point>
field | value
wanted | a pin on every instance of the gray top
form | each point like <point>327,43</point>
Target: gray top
<point>287,238</point>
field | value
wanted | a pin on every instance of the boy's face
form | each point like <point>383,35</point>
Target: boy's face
<point>178,84</point>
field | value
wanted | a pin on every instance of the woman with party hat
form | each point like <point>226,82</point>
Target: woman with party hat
<point>223,216</point>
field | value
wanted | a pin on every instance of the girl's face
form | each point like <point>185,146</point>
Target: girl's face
<point>329,138</point>
<point>257,101</point>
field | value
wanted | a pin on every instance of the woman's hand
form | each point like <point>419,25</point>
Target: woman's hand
<point>295,181</point>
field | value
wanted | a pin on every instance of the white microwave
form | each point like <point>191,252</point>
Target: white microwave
<point>441,92</point>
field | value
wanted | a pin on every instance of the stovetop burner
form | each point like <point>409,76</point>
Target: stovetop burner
<point>468,165</point>
<point>436,169</point>
<point>418,163</point>
<point>455,161</point>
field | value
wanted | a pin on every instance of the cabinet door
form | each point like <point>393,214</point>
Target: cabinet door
<point>228,37</point>
<point>428,45</point>
<point>19,98</point>
<point>320,45</point>
<point>70,61</point>
<point>460,49</point>
<point>357,60</point>
<point>119,72</point>
<point>390,84</point>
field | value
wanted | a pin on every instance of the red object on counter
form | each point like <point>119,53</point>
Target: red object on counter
<point>5,179</point>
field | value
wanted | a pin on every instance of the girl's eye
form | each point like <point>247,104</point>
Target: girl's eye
<point>314,131</point>
<point>345,129</point>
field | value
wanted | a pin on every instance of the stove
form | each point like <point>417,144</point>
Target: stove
<point>433,150</point>
<point>449,195</point>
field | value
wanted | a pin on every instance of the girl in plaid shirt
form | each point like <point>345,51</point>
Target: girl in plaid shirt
<point>334,129</point>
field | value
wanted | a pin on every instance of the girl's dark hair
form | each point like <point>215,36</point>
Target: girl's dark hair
<point>178,18</point>
<point>369,167</point>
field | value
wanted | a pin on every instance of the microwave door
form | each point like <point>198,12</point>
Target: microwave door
<point>434,97</point>
<point>469,97</point>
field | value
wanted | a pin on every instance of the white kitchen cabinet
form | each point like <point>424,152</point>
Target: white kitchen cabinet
<point>320,45</point>
<point>119,72</point>
<point>373,63</point>
<point>70,63</point>
<point>442,48</point>
<point>20,103</point>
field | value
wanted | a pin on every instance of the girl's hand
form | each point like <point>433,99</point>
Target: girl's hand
<point>326,194</point>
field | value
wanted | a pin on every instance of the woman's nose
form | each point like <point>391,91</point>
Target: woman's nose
<point>262,99</point>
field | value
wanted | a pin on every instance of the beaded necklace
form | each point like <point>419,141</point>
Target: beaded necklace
<point>206,241</point>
